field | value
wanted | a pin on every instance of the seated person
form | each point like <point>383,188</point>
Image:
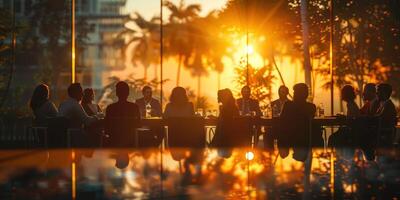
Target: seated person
<point>179,105</point>
<point>227,112</point>
<point>90,108</point>
<point>294,128</point>
<point>349,95</point>
<point>387,115</point>
<point>248,106</point>
<point>146,100</point>
<point>277,105</point>
<point>346,137</point>
<point>41,106</point>
<point>73,110</point>
<point>370,99</point>
<point>122,118</point>
<point>155,134</point>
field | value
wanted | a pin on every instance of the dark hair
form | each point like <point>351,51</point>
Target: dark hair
<point>39,97</point>
<point>300,92</point>
<point>386,89</point>
<point>122,90</point>
<point>244,87</point>
<point>87,93</point>
<point>370,87</point>
<point>178,96</point>
<point>229,106</point>
<point>74,90</point>
<point>146,88</point>
<point>283,87</point>
<point>348,93</point>
<point>226,94</point>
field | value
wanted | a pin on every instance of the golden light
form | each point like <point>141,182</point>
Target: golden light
<point>249,155</point>
<point>249,49</point>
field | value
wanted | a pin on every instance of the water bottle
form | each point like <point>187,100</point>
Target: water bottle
<point>148,110</point>
<point>321,111</point>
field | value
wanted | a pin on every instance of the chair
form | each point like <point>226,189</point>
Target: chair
<point>57,135</point>
<point>233,132</point>
<point>186,132</point>
<point>122,131</point>
<point>36,136</point>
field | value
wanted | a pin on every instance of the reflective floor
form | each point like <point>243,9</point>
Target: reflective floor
<point>196,174</point>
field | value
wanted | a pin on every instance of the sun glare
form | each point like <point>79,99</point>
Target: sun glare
<point>249,49</point>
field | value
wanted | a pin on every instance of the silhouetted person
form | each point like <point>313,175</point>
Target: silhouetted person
<point>121,160</point>
<point>387,115</point>
<point>179,105</point>
<point>370,99</point>
<point>228,110</point>
<point>148,101</point>
<point>122,118</point>
<point>345,138</point>
<point>295,120</point>
<point>41,106</point>
<point>348,95</point>
<point>278,104</point>
<point>90,108</point>
<point>247,105</point>
<point>73,110</point>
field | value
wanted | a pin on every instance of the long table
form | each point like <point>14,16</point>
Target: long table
<point>321,121</point>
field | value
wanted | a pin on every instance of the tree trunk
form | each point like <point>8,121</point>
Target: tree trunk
<point>178,72</point>
<point>156,72</point>
<point>306,52</point>
<point>219,80</point>
<point>198,88</point>
<point>145,73</point>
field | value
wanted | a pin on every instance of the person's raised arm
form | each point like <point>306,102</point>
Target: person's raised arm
<point>53,111</point>
<point>82,115</point>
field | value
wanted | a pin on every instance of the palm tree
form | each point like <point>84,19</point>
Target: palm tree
<point>146,38</point>
<point>178,32</point>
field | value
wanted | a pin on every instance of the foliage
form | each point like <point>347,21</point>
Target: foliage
<point>260,82</point>
<point>146,40</point>
<point>366,41</point>
<point>5,58</point>
<point>50,34</point>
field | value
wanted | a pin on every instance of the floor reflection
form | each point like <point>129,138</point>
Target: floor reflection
<point>195,174</point>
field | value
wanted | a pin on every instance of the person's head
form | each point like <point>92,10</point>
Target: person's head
<point>122,90</point>
<point>347,93</point>
<point>300,92</point>
<point>225,96</point>
<point>283,91</point>
<point>384,91</point>
<point>40,95</point>
<point>122,161</point>
<point>75,91</point>
<point>369,92</point>
<point>88,95</point>
<point>246,92</point>
<point>178,96</point>
<point>147,92</point>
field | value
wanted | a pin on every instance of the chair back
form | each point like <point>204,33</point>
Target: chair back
<point>186,132</point>
<point>233,132</point>
<point>121,131</point>
<point>57,132</point>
